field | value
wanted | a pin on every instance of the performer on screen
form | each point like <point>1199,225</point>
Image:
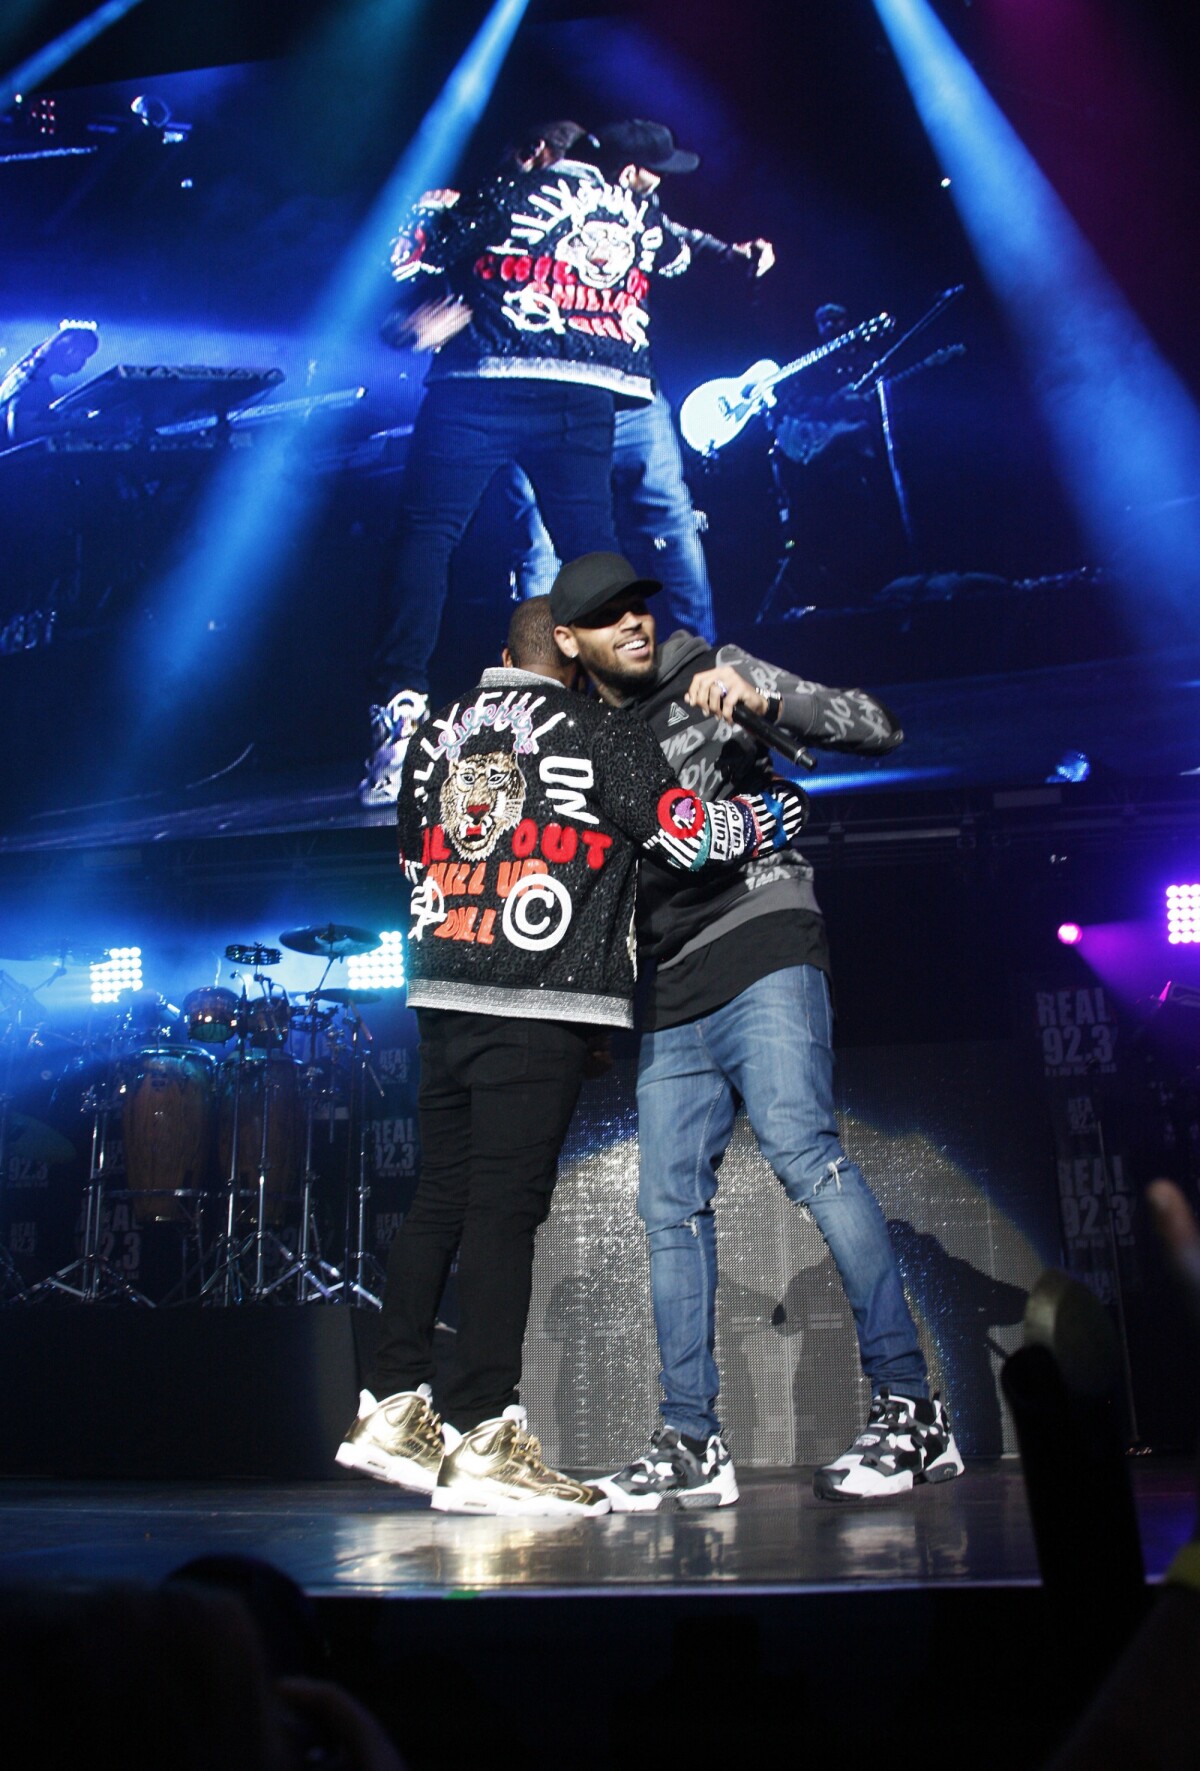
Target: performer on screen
<point>656,522</point>
<point>554,263</point>
<point>739,1011</point>
<point>553,266</point>
<point>27,392</point>
<point>523,811</point>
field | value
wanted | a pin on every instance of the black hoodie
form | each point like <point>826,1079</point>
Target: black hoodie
<point>680,915</point>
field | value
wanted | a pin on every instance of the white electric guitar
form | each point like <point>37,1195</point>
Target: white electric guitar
<point>716,411</point>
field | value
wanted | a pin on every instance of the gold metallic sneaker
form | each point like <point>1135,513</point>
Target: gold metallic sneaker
<point>498,1468</point>
<point>398,1440</point>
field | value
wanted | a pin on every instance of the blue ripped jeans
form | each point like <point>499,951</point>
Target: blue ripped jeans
<point>772,1047</point>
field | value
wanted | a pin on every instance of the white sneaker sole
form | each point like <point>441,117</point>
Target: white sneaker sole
<point>686,1500</point>
<point>469,1497</point>
<point>398,1472</point>
<point>864,1483</point>
<point>944,1468</point>
<point>379,793</point>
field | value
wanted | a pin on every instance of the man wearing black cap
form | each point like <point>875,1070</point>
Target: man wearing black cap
<point>523,811</point>
<point>739,1011</point>
<point>656,522</point>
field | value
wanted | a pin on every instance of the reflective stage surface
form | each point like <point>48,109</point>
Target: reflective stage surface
<point>353,1539</point>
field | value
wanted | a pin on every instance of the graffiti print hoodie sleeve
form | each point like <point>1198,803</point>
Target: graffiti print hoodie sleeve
<point>715,759</point>
<point>522,813</point>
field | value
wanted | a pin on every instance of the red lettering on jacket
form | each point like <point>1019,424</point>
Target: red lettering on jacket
<point>524,838</point>
<point>459,924</point>
<point>559,844</point>
<point>511,871</point>
<point>597,846</point>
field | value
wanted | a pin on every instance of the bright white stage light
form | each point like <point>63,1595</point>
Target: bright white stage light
<point>1183,915</point>
<point>120,970</point>
<point>381,970</point>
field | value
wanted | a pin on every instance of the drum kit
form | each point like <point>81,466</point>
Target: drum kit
<point>217,1104</point>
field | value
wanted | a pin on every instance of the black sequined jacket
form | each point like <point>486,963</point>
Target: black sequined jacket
<point>556,267</point>
<point>523,810</point>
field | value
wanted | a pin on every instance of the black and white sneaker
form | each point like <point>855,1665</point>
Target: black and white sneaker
<point>906,1440</point>
<point>672,1475</point>
<point>392,725</point>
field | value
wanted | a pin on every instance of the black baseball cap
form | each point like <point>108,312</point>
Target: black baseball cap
<point>590,581</point>
<point>637,142</point>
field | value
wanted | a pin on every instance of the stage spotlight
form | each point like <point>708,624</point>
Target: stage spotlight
<point>263,502</point>
<point>1070,934</point>
<point>120,969</point>
<point>16,86</point>
<point>381,970</point>
<point>1071,766</point>
<point>1125,431</point>
<point>1183,915</point>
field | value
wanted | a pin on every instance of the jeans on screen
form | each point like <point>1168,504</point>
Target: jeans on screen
<point>466,431</point>
<point>656,524</point>
<point>772,1048</point>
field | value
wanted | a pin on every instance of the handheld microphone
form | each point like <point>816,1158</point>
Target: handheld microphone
<point>773,736</point>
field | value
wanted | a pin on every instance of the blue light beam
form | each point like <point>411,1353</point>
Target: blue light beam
<point>32,73</point>
<point>261,507</point>
<point>1125,433</point>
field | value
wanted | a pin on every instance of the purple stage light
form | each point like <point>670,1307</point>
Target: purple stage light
<point>1183,914</point>
<point>1070,934</point>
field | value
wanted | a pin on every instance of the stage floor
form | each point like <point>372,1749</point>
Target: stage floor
<point>352,1538</point>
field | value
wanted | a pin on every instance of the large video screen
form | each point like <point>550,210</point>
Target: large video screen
<point>214,348</point>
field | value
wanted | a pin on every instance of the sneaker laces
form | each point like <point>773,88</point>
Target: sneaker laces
<point>428,1429</point>
<point>661,1455</point>
<point>526,1452</point>
<point>426,1425</point>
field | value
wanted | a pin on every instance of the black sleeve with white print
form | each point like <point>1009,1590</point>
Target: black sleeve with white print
<point>831,719</point>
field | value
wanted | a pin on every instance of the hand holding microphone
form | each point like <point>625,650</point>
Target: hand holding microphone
<point>727,695</point>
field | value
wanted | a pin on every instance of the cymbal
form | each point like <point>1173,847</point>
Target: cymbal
<point>335,940</point>
<point>63,952</point>
<point>349,996</point>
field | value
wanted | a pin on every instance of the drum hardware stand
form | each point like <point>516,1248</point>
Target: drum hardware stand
<point>12,1286</point>
<point>16,999</point>
<point>92,1279</point>
<point>362,1271</point>
<point>225,1276</point>
<point>228,1276</point>
<point>316,1281</point>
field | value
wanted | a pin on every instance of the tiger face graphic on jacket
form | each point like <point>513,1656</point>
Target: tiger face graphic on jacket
<point>482,797</point>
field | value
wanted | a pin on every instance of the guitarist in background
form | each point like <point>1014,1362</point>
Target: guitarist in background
<point>831,481</point>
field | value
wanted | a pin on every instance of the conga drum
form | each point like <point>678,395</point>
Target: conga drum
<point>166,1123</point>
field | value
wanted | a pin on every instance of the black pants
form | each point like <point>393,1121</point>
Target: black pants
<point>466,430</point>
<point>495,1101</point>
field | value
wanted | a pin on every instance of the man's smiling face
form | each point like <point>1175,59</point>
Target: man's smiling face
<point>616,645</point>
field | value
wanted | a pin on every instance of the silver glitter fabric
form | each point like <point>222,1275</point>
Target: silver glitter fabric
<point>956,1151</point>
